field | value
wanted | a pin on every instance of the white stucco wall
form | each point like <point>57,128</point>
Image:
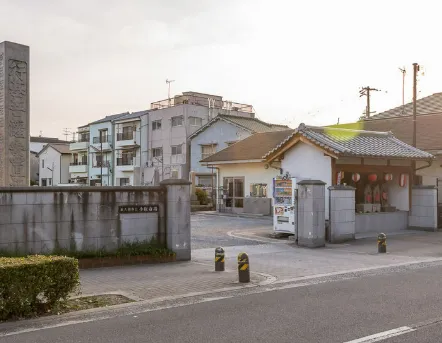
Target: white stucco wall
<point>306,162</point>
<point>59,163</point>
<point>252,173</point>
<point>398,196</point>
<point>431,174</point>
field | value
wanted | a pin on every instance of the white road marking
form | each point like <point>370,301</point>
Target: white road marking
<point>383,335</point>
<point>186,300</point>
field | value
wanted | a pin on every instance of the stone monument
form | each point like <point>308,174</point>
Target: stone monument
<point>14,114</point>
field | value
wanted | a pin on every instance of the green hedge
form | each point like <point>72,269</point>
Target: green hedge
<point>29,285</point>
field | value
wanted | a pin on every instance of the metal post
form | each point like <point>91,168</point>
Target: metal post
<point>382,243</point>
<point>219,259</point>
<point>243,268</point>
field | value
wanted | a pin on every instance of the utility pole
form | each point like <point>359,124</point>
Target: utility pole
<point>66,132</point>
<point>415,71</point>
<point>168,93</point>
<point>365,91</point>
<point>403,71</point>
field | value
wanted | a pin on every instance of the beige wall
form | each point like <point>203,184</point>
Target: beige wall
<point>252,173</point>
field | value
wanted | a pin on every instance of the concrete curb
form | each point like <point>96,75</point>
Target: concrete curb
<point>85,316</point>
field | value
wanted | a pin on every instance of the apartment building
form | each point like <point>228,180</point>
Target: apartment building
<point>172,121</point>
<point>105,152</point>
<point>142,148</point>
<point>127,152</point>
<point>78,167</point>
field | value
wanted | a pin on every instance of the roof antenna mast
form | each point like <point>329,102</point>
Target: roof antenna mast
<point>403,71</point>
<point>168,92</point>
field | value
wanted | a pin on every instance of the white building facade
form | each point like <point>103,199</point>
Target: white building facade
<point>142,148</point>
<point>171,122</point>
<point>54,162</point>
<point>78,167</point>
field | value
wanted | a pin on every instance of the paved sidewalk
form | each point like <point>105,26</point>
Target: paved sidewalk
<point>269,262</point>
<point>143,282</point>
<point>285,260</point>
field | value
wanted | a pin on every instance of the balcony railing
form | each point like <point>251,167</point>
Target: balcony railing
<point>82,139</point>
<point>125,136</point>
<point>122,161</point>
<point>104,164</point>
<point>194,100</point>
<point>80,163</point>
<point>104,139</point>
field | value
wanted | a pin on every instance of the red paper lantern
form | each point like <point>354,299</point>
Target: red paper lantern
<point>372,177</point>
<point>388,177</point>
<point>356,177</point>
<point>403,180</point>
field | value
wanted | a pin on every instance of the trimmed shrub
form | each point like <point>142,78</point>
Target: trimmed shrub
<point>29,285</point>
<point>202,196</point>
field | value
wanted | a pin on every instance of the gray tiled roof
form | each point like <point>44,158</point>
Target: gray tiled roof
<point>109,118</point>
<point>428,105</point>
<point>132,115</point>
<point>253,125</point>
<point>356,143</point>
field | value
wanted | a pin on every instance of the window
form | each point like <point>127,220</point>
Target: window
<point>98,159</point>
<point>234,192</point>
<point>157,152</point>
<point>42,163</point>
<point>156,125</point>
<point>174,174</point>
<point>195,121</point>
<point>103,136</point>
<point>127,134</point>
<point>177,121</point>
<point>124,181</point>
<point>49,182</point>
<point>83,137</point>
<point>176,149</point>
<point>207,150</point>
<point>258,190</point>
<point>206,181</point>
<point>44,182</point>
<point>126,157</point>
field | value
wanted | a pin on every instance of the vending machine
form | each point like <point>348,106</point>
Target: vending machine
<point>285,194</point>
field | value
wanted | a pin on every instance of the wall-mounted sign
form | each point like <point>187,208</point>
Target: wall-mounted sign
<point>138,209</point>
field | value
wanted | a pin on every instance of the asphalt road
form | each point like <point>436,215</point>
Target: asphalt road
<point>340,311</point>
<point>210,231</point>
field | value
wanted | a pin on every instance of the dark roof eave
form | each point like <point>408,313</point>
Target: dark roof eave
<point>406,158</point>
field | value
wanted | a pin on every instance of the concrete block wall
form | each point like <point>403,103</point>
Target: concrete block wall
<point>311,213</point>
<point>178,217</point>
<point>423,214</point>
<point>41,219</point>
<point>342,214</point>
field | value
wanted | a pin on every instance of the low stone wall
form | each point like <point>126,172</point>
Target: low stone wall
<point>423,214</point>
<point>381,222</point>
<point>44,219</point>
<point>256,205</point>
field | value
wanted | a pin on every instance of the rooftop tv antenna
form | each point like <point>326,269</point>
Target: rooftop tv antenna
<point>168,93</point>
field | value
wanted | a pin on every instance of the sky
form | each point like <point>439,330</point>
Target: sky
<point>294,61</point>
